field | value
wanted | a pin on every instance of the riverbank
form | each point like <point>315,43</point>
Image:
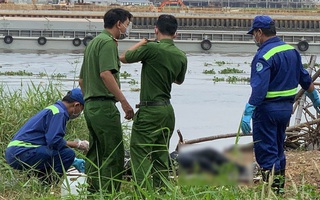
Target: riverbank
<point>303,167</point>
<point>203,107</point>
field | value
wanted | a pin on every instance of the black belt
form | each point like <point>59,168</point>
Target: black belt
<point>100,98</point>
<point>153,103</point>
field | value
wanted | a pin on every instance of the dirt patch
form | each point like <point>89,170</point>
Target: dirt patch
<point>303,167</point>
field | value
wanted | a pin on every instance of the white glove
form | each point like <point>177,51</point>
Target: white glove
<point>82,145</point>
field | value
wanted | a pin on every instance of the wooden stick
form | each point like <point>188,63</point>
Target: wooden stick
<point>299,126</point>
<point>215,137</point>
<point>229,135</point>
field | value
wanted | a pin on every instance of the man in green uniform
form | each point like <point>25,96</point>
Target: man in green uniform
<point>163,64</point>
<point>99,81</point>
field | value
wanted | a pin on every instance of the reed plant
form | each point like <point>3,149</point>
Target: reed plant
<point>17,106</point>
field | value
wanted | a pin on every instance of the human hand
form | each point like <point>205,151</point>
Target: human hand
<point>246,118</point>
<point>84,145</point>
<point>127,109</point>
<point>245,124</point>
<point>314,97</point>
<point>79,164</point>
<point>152,40</point>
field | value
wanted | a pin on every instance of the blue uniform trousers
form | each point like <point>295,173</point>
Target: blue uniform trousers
<point>269,124</point>
<point>42,160</point>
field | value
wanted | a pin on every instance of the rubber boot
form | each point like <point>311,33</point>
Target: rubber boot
<point>277,182</point>
<point>282,181</point>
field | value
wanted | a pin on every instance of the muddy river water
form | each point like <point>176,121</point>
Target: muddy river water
<point>203,107</point>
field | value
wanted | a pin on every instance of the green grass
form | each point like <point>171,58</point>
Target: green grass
<point>17,106</point>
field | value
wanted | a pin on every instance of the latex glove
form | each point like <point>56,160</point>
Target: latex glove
<point>82,145</point>
<point>79,164</point>
<point>314,97</point>
<point>246,118</point>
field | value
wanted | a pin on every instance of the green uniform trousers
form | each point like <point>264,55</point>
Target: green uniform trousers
<point>105,163</point>
<point>149,147</point>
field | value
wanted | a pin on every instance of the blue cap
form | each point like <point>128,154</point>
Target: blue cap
<point>76,94</point>
<point>260,21</point>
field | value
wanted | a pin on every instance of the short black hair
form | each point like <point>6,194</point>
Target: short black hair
<point>269,31</point>
<point>112,16</point>
<point>167,24</point>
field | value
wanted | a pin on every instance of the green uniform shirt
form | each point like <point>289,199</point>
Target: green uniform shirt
<point>163,63</point>
<point>100,55</point>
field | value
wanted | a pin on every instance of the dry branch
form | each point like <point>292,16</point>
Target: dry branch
<point>229,135</point>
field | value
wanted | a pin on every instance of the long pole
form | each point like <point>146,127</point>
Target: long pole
<point>229,135</point>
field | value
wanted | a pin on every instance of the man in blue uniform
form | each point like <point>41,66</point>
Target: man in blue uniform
<point>39,146</point>
<point>276,72</point>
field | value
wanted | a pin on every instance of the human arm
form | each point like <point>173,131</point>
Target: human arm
<point>81,85</point>
<point>180,78</point>
<point>313,94</point>
<point>111,84</point>
<point>306,83</point>
<point>259,81</point>
<point>79,144</point>
<point>55,131</point>
<point>134,47</point>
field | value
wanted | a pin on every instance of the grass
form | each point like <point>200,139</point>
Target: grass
<point>18,106</point>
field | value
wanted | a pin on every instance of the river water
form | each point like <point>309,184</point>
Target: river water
<point>202,107</point>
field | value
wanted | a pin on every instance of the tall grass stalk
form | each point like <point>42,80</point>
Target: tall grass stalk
<point>17,106</point>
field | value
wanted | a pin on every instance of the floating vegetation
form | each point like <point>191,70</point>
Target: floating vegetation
<point>18,73</point>
<point>210,71</point>
<point>231,71</point>
<point>58,75</point>
<point>235,79</point>
<point>220,63</point>
<point>125,75</point>
<point>218,79</point>
<point>133,82</point>
<point>42,74</point>
<point>134,89</point>
<point>207,64</point>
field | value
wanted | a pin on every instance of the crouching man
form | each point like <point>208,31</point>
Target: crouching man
<point>39,146</point>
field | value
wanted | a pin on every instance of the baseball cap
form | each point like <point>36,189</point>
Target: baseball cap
<point>260,21</point>
<point>76,94</point>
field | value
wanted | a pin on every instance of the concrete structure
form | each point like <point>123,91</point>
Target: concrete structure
<point>186,21</point>
<point>134,2</point>
<point>57,34</point>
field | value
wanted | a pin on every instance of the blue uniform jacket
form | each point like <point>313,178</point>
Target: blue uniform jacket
<point>46,128</point>
<point>278,71</point>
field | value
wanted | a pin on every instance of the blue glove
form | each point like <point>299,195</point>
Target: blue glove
<point>79,164</point>
<point>246,118</point>
<point>314,97</point>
